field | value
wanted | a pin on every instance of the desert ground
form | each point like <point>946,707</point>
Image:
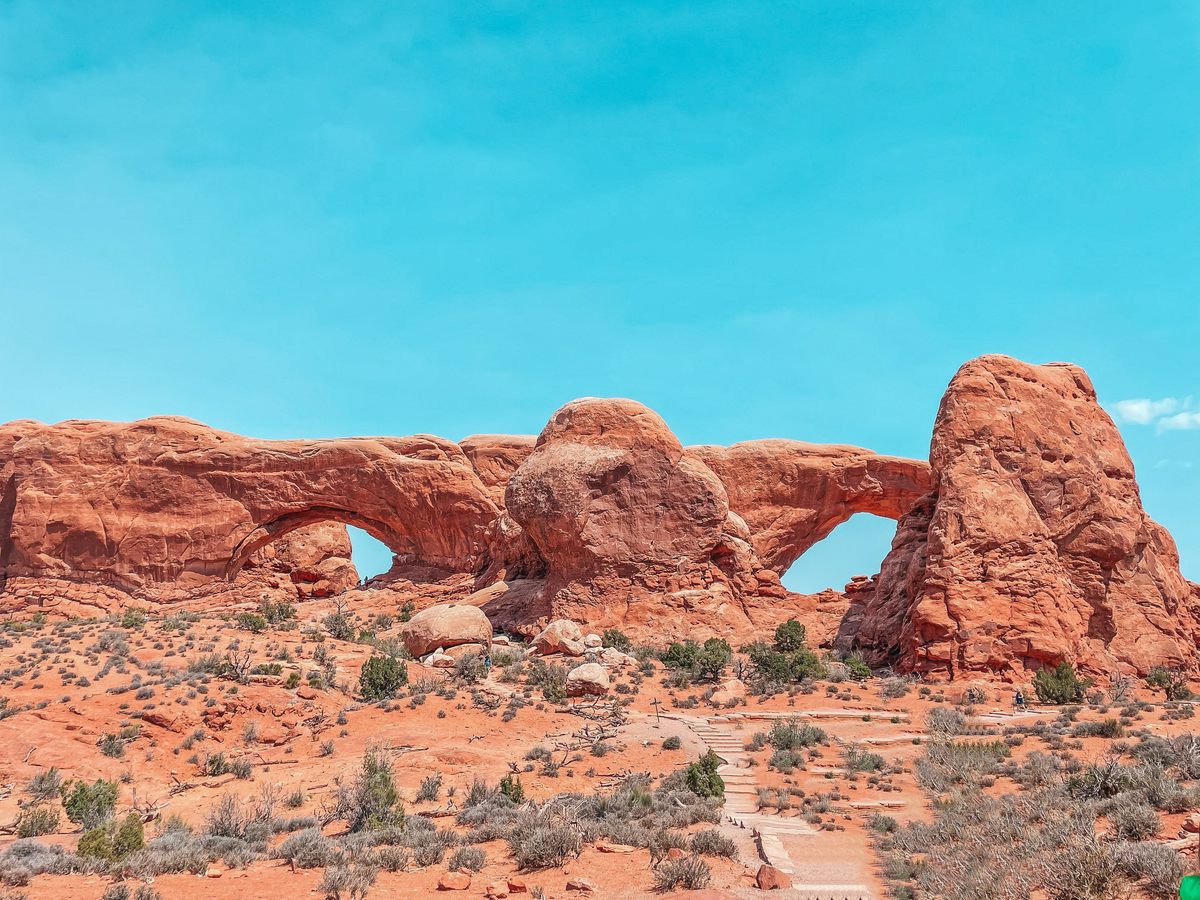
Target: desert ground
<point>247,761</point>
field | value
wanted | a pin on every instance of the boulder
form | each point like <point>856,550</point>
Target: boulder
<point>769,878</point>
<point>560,636</point>
<point>728,691</point>
<point>454,881</point>
<point>447,625</point>
<point>587,680</point>
<point>593,642</point>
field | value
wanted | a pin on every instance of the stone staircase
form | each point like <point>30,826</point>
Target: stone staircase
<point>741,810</point>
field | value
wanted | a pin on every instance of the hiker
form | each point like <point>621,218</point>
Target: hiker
<point>487,664</point>
<point>1019,700</point>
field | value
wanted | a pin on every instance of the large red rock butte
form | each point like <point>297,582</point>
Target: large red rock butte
<point>1033,546</point>
<point>1023,542</point>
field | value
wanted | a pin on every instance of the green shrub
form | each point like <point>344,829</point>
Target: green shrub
<point>791,635</point>
<point>672,743</point>
<point>691,873</point>
<point>702,778</point>
<point>1060,685</point>
<point>89,805</point>
<point>511,787</point>
<point>857,667</point>
<point>381,678</point>
<point>113,840</point>
<point>251,622</point>
<point>133,618</point>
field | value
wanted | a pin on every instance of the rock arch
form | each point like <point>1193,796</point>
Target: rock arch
<point>169,501</point>
<point>792,494</point>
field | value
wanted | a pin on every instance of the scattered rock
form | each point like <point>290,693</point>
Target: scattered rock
<point>770,878</point>
<point>587,680</point>
<point>593,642</point>
<point>454,881</point>
<point>580,884</point>
<point>560,636</point>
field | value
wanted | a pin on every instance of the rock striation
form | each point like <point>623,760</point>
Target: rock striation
<point>1032,547</point>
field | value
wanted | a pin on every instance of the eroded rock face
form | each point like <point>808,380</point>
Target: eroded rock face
<point>316,559</point>
<point>168,501</point>
<point>792,494</point>
<point>1033,546</point>
<point>616,508</point>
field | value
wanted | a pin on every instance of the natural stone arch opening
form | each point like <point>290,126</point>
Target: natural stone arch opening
<point>851,548</point>
<point>283,525</point>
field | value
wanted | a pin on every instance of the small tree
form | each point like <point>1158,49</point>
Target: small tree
<point>89,805</point>
<point>1171,682</point>
<point>381,678</point>
<point>790,635</point>
<point>702,777</point>
<point>1060,684</point>
<point>113,840</point>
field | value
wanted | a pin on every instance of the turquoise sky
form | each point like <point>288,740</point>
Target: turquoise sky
<point>761,219</point>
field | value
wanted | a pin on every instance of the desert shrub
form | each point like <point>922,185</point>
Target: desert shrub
<point>1083,868</point>
<point>946,765</point>
<point>112,746</point>
<point>945,721</point>
<point>1132,819</point>
<point>89,805</point>
<point>704,662</point>
<point>36,821</point>
<point>430,788</point>
<point>616,639</point>
<point>339,626</point>
<point>1156,868</point>
<point>1100,780</point>
<point>381,678</point>
<point>133,618</point>
<point>471,858</point>
<point>856,667</point>
<point>711,842</point>
<point>691,873</point>
<point>277,612</point>
<point>1060,685</point>
<point>252,622</point>
<point>776,667</point>
<point>790,635</point>
<point>858,760</point>
<point>894,688</point>
<point>372,800</point>
<point>794,735</point>
<point>308,849</point>
<point>511,788</point>
<point>672,743</point>
<point>45,785</point>
<point>113,840</point>
<point>1108,728</point>
<point>702,778</point>
<point>551,678</point>
<point>786,761</point>
<point>354,881</point>
<point>538,842</point>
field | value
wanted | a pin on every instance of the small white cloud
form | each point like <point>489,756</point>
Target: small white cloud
<point>1184,421</point>
<point>1143,412</point>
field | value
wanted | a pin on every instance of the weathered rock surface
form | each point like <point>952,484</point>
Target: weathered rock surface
<point>560,636</point>
<point>170,501</point>
<point>1033,546</point>
<point>587,680</point>
<point>444,627</point>
<point>316,558</point>
<point>792,494</point>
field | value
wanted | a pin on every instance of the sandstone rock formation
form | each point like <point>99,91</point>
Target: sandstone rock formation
<point>792,494</point>
<point>1033,546</point>
<point>315,558</point>
<point>169,501</point>
<point>446,626</point>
